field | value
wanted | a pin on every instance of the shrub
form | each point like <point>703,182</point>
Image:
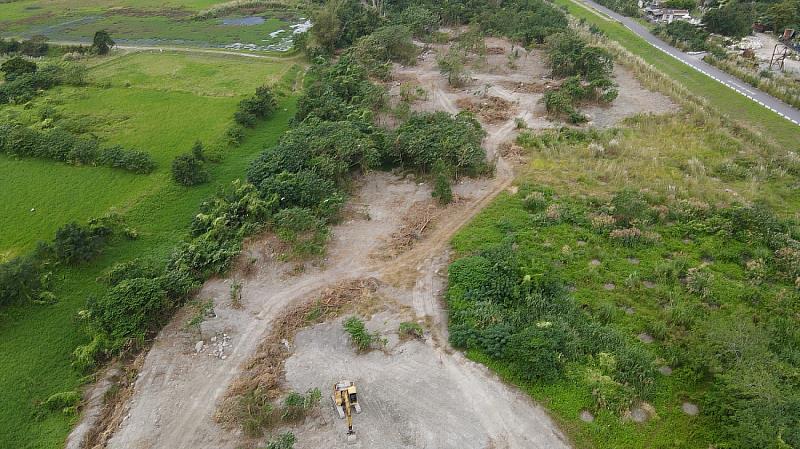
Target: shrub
<point>410,329</point>
<point>258,107</point>
<point>535,202</point>
<point>66,402</point>
<point>634,236</point>
<point>296,405</point>
<point>419,19</point>
<point>536,352</point>
<point>131,309</point>
<point>441,185</point>
<point>188,170</point>
<point>362,339</point>
<point>453,66</point>
<point>283,441</point>
<point>131,160</point>
<point>74,244</point>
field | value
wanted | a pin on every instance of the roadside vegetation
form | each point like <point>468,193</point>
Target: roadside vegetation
<point>778,84</point>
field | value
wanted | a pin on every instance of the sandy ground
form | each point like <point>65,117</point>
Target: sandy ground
<point>419,393</point>
<point>413,395</point>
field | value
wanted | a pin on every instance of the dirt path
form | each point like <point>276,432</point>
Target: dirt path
<point>188,50</point>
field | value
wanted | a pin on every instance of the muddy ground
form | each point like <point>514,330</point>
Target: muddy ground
<point>416,393</point>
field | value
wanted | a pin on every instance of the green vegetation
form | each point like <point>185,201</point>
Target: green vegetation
<point>684,35</point>
<point>59,145</point>
<point>777,84</point>
<point>175,22</point>
<point>362,339</point>
<point>699,289</point>
<point>259,412</point>
<point>411,329</point>
<point>283,441</point>
<point>588,69</point>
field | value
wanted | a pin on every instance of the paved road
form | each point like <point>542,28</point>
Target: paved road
<point>760,97</point>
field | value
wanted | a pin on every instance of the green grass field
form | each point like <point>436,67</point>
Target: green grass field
<point>173,100</point>
<point>721,97</point>
<point>37,341</point>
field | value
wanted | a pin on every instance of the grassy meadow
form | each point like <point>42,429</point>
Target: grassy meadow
<point>148,101</point>
<point>156,102</point>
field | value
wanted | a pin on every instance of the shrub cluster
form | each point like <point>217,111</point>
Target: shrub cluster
<point>23,81</point>
<point>522,316</point>
<point>27,278</point>
<point>588,71</point>
<point>188,169</point>
<point>141,295</point>
<point>260,106</point>
<point>427,138</point>
<point>62,146</point>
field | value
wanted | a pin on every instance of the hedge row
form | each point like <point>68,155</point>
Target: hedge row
<point>62,146</point>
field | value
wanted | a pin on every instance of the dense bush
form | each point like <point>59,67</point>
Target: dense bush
<point>258,107</point>
<point>16,67</point>
<point>734,19</point>
<point>339,91</point>
<point>522,316</point>
<point>23,279</point>
<point>25,84</point>
<point>588,70</point>
<point>188,170</point>
<point>340,23</point>
<point>419,19</point>
<point>130,309</point>
<point>74,243</point>
<point>427,138</point>
<point>685,35</point>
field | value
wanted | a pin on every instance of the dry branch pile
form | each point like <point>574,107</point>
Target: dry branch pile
<point>416,223</point>
<point>491,109</point>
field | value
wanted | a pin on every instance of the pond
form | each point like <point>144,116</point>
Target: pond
<point>243,21</point>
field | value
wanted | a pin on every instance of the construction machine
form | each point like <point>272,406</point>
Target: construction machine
<point>345,400</point>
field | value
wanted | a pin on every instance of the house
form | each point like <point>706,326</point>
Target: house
<point>658,14</point>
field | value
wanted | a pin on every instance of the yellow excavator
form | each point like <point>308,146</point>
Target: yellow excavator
<point>345,400</point>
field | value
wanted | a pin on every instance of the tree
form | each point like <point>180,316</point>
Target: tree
<point>102,42</point>
<point>17,66</point>
<point>730,20</point>
<point>783,15</point>
<point>421,20</point>
<point>441,186</point>
<point>452,65</point>
<point>188,171</point>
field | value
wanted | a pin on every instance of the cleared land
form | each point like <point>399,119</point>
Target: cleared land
<point>182,374</point>
<point>37,341</point>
